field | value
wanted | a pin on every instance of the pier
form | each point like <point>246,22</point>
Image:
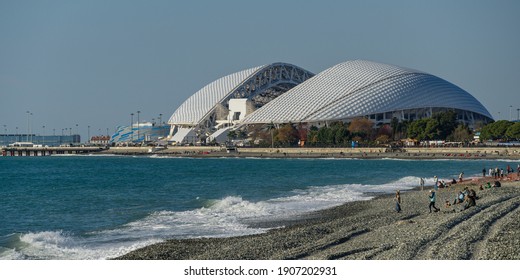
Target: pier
<point>47,151</point>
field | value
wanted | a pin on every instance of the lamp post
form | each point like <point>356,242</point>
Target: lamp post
<point>518,114</point>
<point>138,112</point>
<point>88,134</point>
<point>28,125</point>
<point>132,126</point>
<point>161,126</point>
<point>510,115</point>
<point>43,136</point>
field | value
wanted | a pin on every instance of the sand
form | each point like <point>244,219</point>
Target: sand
<point>365,230</point>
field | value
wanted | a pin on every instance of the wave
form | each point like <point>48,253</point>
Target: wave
<point>229,216</point>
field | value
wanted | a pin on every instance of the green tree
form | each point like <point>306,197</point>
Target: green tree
<point>495,130</point>
<point>513,132</point>
<point>446,124</point>
<point>433,130</point>
<point>416,129</point>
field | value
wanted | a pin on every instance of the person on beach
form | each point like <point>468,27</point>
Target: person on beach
<point>436,180</point>
<point>459,198</point>
<point>461,176</point>
<point>484,172</point>
<point>469,200</point>
<point>397,201</point>
<point>432,201</point>
<point>422,183</point>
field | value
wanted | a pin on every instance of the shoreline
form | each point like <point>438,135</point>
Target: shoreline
<point>473,153</point>
<point>371,229</point>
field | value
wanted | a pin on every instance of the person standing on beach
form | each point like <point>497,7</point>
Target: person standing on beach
<point>484,172</point>
<point>422,183</point>
<point>461,176</point>
<point>397,201</point>
<point>436,186</point>
<point>432,201</point>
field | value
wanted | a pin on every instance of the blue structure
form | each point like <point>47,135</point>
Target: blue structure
<point>138,133</point>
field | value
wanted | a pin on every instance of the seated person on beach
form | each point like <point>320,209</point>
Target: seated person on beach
<point>497,184</point>
<point>459,198</point>
<point>453,181</point>
<point>488,186</point>
<point>470,200</point>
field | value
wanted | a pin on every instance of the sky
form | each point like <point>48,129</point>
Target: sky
<point>93,63</point>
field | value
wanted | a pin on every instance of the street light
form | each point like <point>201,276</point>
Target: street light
<point>510,116</point>
<point>138,112</point>
<point>43,136</point>
<point>28,125</point>
<point>132,126</point>
<point>88,134</point>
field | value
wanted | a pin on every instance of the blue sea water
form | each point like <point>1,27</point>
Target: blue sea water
<point>98,207</point>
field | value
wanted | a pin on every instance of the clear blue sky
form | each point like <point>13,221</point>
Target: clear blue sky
<point>95,62</point>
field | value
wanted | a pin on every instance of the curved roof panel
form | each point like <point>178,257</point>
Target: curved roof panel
<point>359,88</point>
<point>193,110</point>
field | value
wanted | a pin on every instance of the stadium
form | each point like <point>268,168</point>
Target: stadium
<point>283,93</point>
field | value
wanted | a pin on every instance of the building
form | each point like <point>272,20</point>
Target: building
<point>44,140</point>
<point>216,108</point>
<point>139,133</point>
<point>353,89</point>
<point>100,140</point>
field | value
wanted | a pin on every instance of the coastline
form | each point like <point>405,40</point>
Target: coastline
<point>371,229</point>
<point>464,153</point>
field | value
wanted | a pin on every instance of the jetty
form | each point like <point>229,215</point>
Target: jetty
<point>47,151</point>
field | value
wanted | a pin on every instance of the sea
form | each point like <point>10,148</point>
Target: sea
<point>100,207</point>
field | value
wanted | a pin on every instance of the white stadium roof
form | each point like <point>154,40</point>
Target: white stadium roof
<point>195,108</point>
<point>359,88</point>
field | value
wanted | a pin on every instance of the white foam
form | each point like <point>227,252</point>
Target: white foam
<point>229,216</point>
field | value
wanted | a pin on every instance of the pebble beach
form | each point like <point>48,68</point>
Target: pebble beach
<point>373,230</point>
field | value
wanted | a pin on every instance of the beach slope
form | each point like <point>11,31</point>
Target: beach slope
<point>371,229</point>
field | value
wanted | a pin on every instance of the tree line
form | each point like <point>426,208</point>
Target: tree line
<point>441,126</point>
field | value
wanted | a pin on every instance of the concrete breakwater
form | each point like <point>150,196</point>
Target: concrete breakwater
<point>307,152</point>
<point>374,152</point>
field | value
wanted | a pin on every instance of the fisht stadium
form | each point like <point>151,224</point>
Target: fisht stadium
<point>283,93</point>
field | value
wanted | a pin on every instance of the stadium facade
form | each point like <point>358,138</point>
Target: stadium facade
<point>139,133</point>
<point>283,93</point>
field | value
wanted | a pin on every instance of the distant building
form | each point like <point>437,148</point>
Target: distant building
<point>100,140</point>
<point>139,133</point>
<point>281,93</point>
<point>44,140</point>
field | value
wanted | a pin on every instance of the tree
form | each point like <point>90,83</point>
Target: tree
<point>433,131</point>
<point>232,134</point>
<point>446,123</point>
<point>361,127</point>
<point>416,129</point>
<point>461,134</point>
<point>383,139</point>
<point>394,124</point>
<point>513,132</point>
<point>495,130</point>
<point>287,134</point>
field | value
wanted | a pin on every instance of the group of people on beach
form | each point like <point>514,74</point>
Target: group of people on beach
<point>498,173</point>
<point>466,196</point>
